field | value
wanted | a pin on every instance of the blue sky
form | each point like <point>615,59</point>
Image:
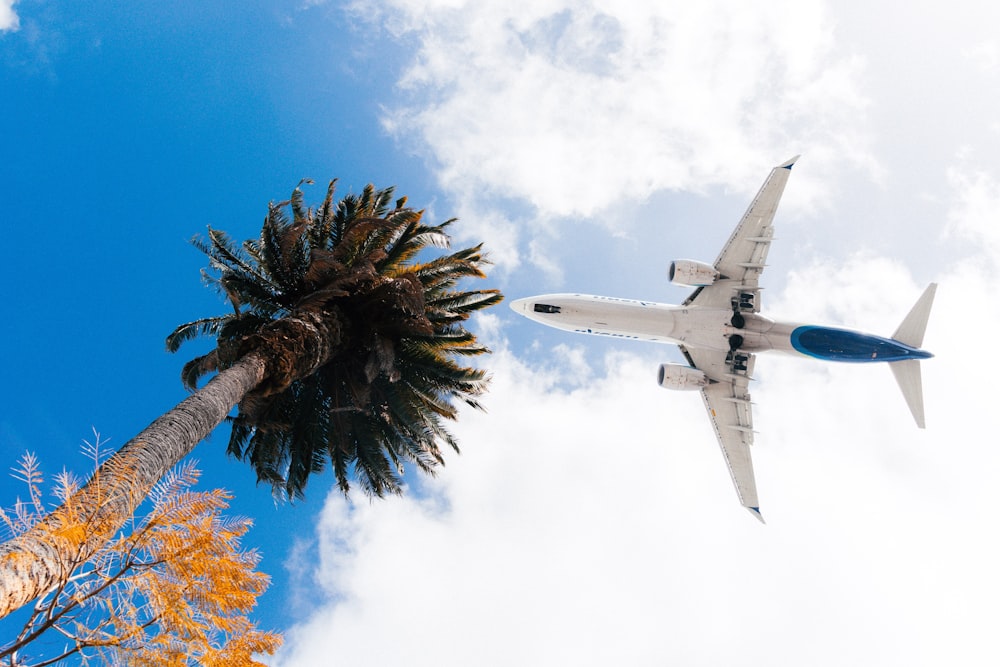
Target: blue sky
<point>589,519</point>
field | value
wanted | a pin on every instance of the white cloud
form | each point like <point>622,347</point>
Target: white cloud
<point>575,106</point>
<point>8,17</point>
<point>854,292</point>
<point>977,216</point>
<point>985,55</point>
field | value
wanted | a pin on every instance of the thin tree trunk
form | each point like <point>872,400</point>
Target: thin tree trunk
<point>283,351</point>
<point>41,558</point>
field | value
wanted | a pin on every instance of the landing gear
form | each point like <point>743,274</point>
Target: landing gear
<point>738,361</point>
<point>741,304</point>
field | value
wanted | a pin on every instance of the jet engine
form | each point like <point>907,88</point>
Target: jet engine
<point>691,273</point>
<point>679,377</point>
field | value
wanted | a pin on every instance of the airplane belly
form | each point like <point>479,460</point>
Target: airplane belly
<point>602,316</point>
<point>712,329</point>
<point>776,338</point>
<point>705,328</point>
<point>624,320</point>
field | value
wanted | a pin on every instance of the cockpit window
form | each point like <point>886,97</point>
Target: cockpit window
<point>546,308</point>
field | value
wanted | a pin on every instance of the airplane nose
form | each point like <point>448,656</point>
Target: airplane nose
<point>521,306</point>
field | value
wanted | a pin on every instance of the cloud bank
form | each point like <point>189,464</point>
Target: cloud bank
<point>590,519</point>
<point>574,106</point>
<point>571,108</point>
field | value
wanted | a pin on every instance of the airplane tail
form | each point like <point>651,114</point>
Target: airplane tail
<point>907,373</point>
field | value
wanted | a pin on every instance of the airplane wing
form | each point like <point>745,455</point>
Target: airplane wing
<point>727,400</point>
<point>742,259</point>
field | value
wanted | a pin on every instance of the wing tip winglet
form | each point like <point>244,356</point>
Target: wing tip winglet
<point>789,163</point>
<point>756,512</point>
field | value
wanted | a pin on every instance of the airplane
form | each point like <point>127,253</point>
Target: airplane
<point>720,330</point>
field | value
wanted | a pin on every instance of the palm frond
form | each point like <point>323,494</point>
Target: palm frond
<point>445,272</point>
<point>272,256</point>
<point>300,213</point>
<point>228,255</point>
<point>414,238</point>
<point>206,326</point>
<point>321,226</point>
<point>198,367</point>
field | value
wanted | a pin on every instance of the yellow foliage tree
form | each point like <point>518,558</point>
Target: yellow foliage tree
<point>171,588</point>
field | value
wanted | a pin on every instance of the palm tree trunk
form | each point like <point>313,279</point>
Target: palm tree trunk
<point>38,560</point>
<point>285,350</point>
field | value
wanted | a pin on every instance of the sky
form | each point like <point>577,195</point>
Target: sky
<point>589,518</point>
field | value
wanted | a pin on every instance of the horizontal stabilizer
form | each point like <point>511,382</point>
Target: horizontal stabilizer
<point>911,331</point>
<point>907,375</point>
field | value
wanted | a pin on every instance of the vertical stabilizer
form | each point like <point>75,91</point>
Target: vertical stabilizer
<point>911,331</point>
<point>907,374</point>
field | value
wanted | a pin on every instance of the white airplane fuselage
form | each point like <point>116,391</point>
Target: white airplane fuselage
<point>707,328</point>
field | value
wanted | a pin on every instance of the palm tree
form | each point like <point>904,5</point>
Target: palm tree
<point>341,347</point>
